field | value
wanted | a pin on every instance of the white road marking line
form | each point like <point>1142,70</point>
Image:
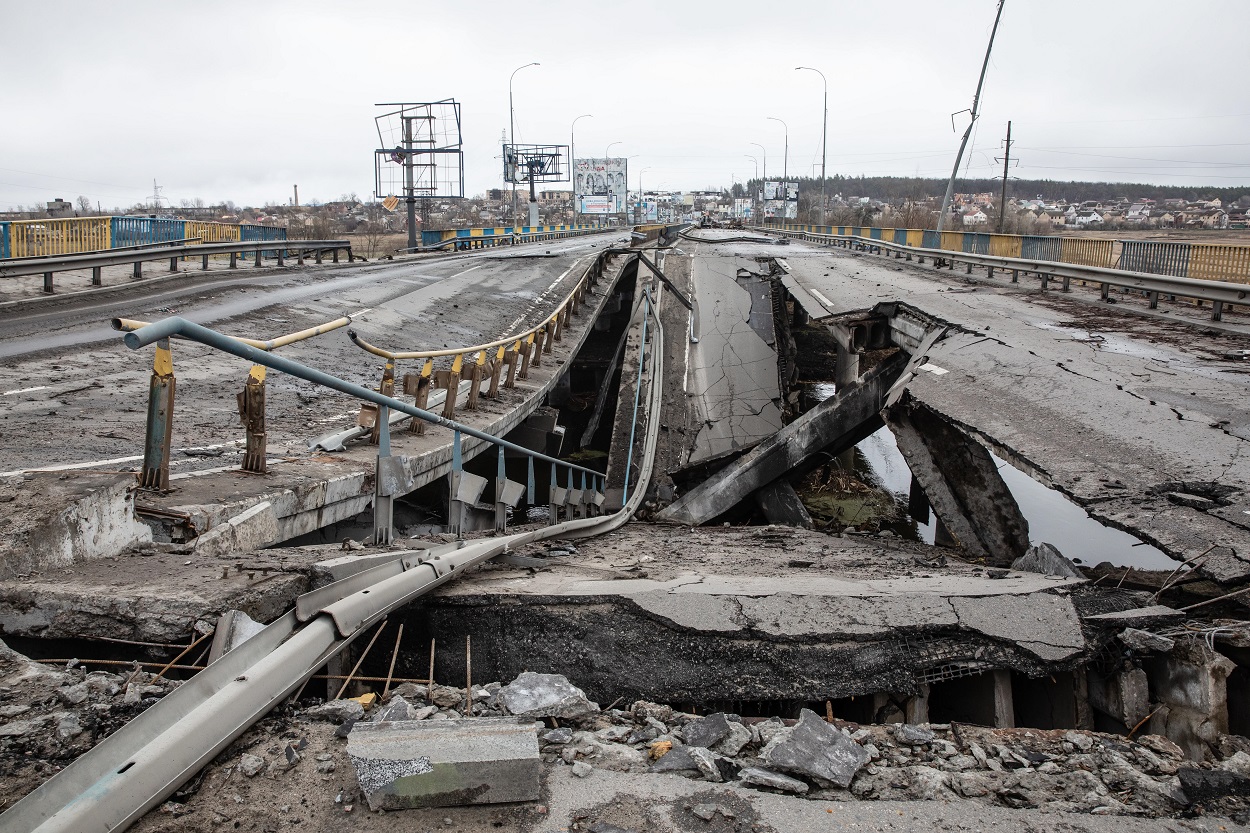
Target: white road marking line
<point>115,460</point>
<point>828,304</point>
<point>26,390</point>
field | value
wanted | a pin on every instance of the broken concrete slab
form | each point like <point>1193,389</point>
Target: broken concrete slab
<point>734,387</point>
<point>1145,641</point>
<point>1046,559</point>
<point>234,627</point>
<point>545,695</point>
<point>833,425</point>
<point>1138,617</point>
<point>677,759</point>
<point>962,483</point>
<point>817,750</point>
<point>338,711</point>
<point>760,777</point>
<point>780,504</point>
<point>706,731</point>
<point>442,763</point>
<point>251,529</point>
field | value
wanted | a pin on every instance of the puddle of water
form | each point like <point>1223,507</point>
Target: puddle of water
<point>1056,520</point>
<point>879,463</point>
<point>1052,517</point>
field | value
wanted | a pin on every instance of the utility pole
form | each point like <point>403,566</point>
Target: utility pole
<point>1002,202</point>
<point>976,103</point>
<point>410,188</point>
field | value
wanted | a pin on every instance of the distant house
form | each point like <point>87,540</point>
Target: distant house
<point>1086,218</point>
<point>976,218</point>
<point>1137,213</point>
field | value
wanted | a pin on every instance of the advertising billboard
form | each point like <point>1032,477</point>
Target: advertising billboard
<point>600,184</point>
<point>781,199</point>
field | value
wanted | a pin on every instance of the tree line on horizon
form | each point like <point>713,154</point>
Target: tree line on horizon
<point>897,188</point>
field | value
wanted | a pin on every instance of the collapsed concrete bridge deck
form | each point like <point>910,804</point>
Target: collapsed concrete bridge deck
<point>770,619</point>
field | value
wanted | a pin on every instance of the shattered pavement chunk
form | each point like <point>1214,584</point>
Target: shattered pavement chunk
<point>545,695</point>
<point>706,731</point>
<point>758,777</point>
<point>817,750</point>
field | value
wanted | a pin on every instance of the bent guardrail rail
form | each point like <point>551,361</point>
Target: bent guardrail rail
<point>48,266</point>
<point>160,420</point>
<point>485,361</point>
<point>466,488</point>
<point>1217,293</point>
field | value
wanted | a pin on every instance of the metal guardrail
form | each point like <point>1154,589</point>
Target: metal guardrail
<point>48,236</point>
<point>48,266</point>
<point>1184,259</point>
<point>1217,293</point>
<point>485,361</point>
<point>485,237</point>
<point>157,447</point>
<point>139,766</point>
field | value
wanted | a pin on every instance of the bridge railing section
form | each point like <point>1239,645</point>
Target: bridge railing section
<point>1220,293</point>
<point>495,364</point>
<point>81,235</point>
<point>478,238</point>
<point>1204,261</point>
<point>574,491</point>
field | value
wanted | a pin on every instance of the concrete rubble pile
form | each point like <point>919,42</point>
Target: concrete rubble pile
<point>49,715</point>
<point>812,757</point>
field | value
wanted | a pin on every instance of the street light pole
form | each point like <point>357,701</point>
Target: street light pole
<point>573,160</point>
<point>785,170</point>
<point>512,130</point>
<point>764,181</point>
<point>754,202</point>
<point>639,213</point>
<point>607,154</point>
<point>824,140</point>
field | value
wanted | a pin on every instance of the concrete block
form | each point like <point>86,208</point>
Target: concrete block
<point>254,528</point>
<point>444,763</point>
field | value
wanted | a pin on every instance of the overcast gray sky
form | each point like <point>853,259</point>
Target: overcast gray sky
<point>240,100</point>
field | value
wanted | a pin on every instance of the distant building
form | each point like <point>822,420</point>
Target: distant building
<point>60,208</point>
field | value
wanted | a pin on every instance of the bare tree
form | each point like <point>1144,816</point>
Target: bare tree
<point>84,205</point>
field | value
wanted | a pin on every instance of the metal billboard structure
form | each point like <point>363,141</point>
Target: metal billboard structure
<point>534,164</point>
<point>419,157</point>
<point>780,199</point>
<point>600,185</point>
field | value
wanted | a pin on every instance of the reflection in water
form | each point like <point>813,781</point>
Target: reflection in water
<point>1052,517</point>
